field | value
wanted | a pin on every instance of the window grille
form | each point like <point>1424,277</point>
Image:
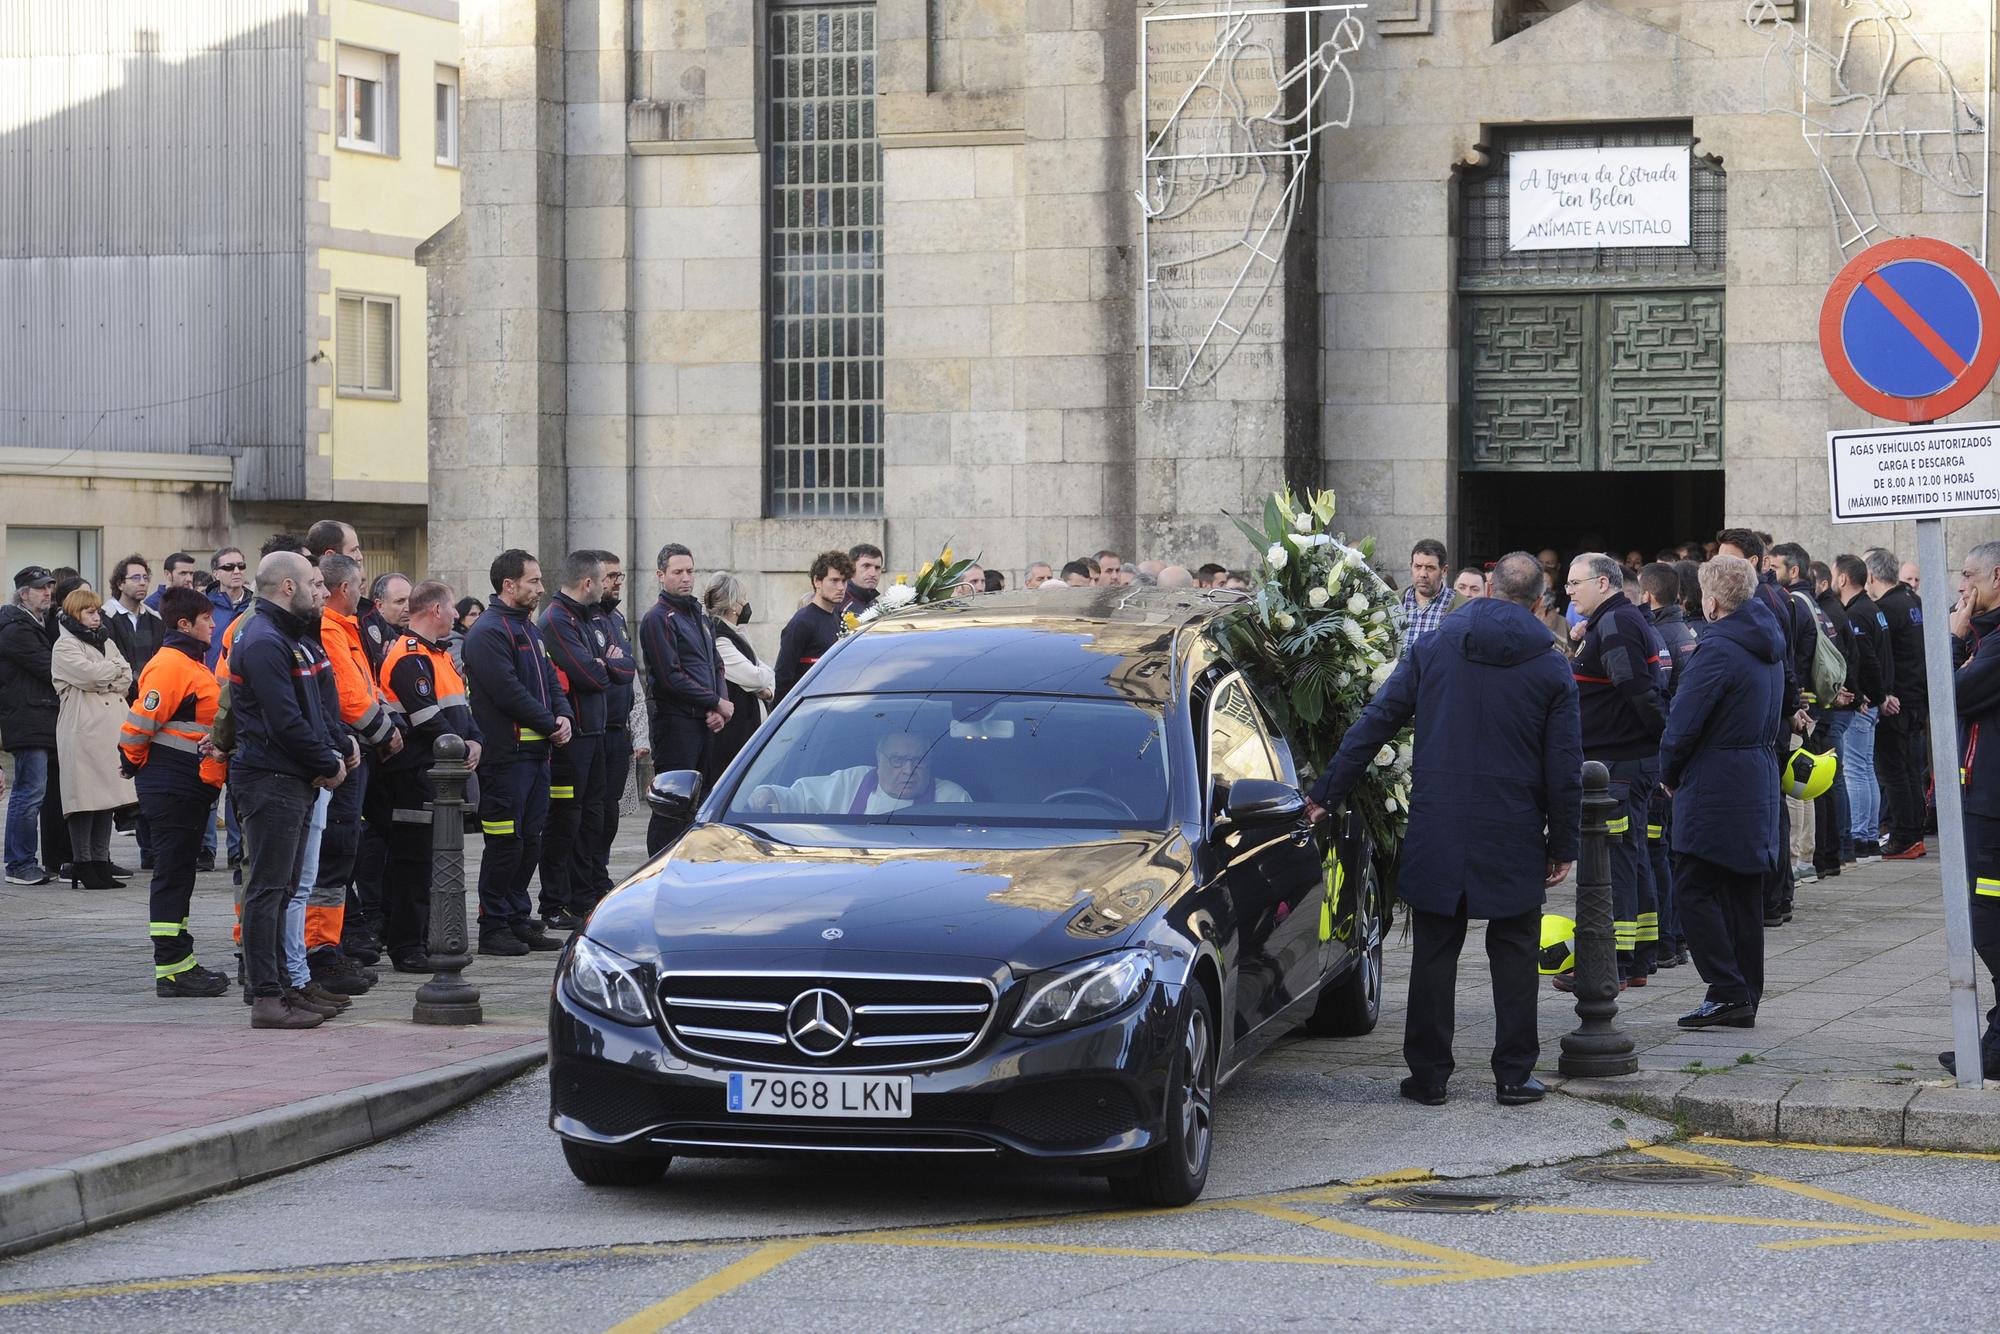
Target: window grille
<point>1483,205</point>
<point>824,372</point>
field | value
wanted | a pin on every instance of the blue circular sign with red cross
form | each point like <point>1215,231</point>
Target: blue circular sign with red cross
<point>1910,329</point>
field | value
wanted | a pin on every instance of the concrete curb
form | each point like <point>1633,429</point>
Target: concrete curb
<point>52,1204</point>
<point>1730,1104</point>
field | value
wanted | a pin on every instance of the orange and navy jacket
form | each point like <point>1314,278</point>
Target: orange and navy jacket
<point>361,707</point>
<point>170,717</point>
<point>426,693</point>
<point>515,695</point>
<point>1976,690</point>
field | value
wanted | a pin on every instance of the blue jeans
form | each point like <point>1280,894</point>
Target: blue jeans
<point>24,807</point>
<point>235,830</point>
<point>295,906</point>
<point>1856,748</point>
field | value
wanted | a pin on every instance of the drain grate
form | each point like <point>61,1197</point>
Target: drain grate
<point>1420,1201</point>
<point>1660,1174</point>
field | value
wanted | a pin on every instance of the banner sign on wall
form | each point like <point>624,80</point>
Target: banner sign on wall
<point>1595,198</point>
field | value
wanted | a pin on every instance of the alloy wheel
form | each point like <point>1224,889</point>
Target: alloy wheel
<point>1198,1091</point>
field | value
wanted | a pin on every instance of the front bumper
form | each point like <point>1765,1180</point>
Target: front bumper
<point>1088,1095</point>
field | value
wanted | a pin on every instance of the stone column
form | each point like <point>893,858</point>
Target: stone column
<point>497,326</point>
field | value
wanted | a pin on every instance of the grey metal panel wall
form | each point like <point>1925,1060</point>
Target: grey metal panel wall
<point>153,230</point>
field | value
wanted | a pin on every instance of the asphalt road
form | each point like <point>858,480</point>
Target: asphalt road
<point>473,1222</point>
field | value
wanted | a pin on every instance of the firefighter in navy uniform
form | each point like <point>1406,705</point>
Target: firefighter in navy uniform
<point>573,629</point>
<point>591,880</point>
<point>426,695</point>
<point>1975,629</point>
<point>522,716</point>
<point>1660,591</point>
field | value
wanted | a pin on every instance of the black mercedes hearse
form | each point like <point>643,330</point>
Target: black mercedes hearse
<point>1023,874</point>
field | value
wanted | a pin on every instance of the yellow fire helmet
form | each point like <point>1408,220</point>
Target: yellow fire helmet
<point>1558,944</point>
<point>1808,776</point>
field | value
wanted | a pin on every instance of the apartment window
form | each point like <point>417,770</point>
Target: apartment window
<point>447,116</point>
<point>365,346</point>
<point>824,417</point>
<point>365,100</point>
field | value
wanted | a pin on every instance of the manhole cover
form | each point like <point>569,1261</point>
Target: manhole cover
<point>1440,1202</point>
<point>1660,1174</point>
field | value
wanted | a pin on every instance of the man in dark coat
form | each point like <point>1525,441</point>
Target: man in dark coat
<point>1719,760</point>
<point>1899,742</point>
<point>687,698</point>
<point>1494,819</point>
<point>28,710</point>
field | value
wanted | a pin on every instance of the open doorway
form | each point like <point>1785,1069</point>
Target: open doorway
<point>1615,512</point>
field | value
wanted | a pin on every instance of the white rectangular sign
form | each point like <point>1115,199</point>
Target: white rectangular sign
<point>1596,198</point>
<point>1915,472</point>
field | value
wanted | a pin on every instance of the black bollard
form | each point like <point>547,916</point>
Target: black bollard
<point>448,998</point>
<point>1597,1048</point>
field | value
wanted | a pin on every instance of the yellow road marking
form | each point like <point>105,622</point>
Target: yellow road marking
<point>1458,1266</point>
<point>722,1282</point>
<point>1663,1216</point>
<point>1517,1271</point>
<point>1877,1150</point>
<point>1131,1252</point>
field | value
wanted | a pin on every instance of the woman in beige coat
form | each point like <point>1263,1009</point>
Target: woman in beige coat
<point>91,678</point>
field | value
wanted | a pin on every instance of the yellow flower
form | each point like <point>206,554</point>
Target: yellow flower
<point>946,558</point>
<point>850,620</point>
<point>925,570</point>
<point>902,578</point>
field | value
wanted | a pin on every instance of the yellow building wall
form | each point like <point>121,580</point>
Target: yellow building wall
<point>378,447</point>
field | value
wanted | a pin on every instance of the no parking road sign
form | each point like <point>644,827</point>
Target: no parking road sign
<point>1910,329</point>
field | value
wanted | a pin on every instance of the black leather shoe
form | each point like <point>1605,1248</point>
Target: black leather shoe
<point>1430,1095</point>
<point>1715,1014</point>
<point>536,939</point>
<point>1520,1095</point>
<point>562,920</point>
<point>1991,1062</point>
<point>504,944</point>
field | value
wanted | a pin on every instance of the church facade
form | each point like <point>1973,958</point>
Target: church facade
<point>1043,276</point>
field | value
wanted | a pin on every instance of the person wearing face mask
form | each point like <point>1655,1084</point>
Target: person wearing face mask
<point>1718,761</point>
<point>290,744</point>
<point>751,683</point>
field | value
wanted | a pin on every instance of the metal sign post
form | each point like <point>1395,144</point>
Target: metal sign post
<point>1910,331</point>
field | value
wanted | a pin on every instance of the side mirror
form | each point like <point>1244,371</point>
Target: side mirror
<point>675,794</point>
<point>1261,801</point>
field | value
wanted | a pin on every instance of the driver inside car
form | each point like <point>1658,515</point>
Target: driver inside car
<point>901,776</point>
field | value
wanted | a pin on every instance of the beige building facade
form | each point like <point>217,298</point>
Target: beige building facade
<point>1043,276</point>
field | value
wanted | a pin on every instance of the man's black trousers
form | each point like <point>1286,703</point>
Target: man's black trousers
<point>1511,945</point>
<point>590,874</point>
<point>1898,762</point>
<point>398,805</point>
<point>1722,916</point>
<point>679,742</point>
<point>576,794</point>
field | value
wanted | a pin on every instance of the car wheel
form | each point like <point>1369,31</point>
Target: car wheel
<point>1174,1173</point>
<point>602,1167</point>
<point>1351,1006</point>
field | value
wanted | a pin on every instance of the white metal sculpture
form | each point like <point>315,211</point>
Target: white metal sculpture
<point>1239,136</point>
<point>1878,96</point>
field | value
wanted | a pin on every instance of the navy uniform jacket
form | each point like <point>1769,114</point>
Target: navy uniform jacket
<point>1905,615</point>
<point>1875,670</point>
<point>1719,754</point>
<point>1677,640</point>
<point>1976,685</point>
<point>515,696</point>
<point>618,699</point>
<point>1498,786</point>
<point>577,642</point>
<point>1619,683</point>
<point>282,694</point>
<point>683,665</point>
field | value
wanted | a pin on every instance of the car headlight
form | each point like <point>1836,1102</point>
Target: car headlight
<point>1066,998</point>
<point>606,981</point>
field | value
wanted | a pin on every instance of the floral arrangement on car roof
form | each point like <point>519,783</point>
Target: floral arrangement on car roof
<point>1336,630</point>
<point>936,581</point>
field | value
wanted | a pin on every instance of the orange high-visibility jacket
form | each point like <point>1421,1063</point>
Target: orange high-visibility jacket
<point>170,717</point>
<point>361,703</point>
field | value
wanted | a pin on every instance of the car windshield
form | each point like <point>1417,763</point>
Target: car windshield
<point>960,758</point>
